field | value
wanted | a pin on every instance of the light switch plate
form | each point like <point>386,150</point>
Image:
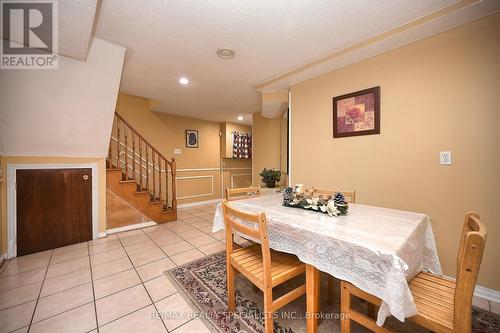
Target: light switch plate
<point>177,151</point>
<point>445,157</point>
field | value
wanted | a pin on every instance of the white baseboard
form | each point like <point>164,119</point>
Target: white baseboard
<point>199,203</point>
<point>487,293</point>
<point>131,227</point>
<point>103,234</point>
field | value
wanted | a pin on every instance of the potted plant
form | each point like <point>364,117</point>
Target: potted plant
<point>270,177</point>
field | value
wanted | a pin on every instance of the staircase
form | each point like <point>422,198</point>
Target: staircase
<point>139,174</point>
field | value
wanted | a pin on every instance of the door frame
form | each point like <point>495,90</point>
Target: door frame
<point>12,197</point>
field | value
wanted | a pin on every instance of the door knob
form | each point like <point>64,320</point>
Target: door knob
<point>85,177</point>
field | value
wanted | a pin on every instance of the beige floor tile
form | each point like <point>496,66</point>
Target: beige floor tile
<point>70,254</point>
<point>66,281</point>
<point>65,300</point>
<point>159,288</point>
<point>134,239</point>
<point>21,279</point>
<point>71,247</point>
<point>201,240</point>
<point>154,269</point>
<point>157,231</point>
<point>103,247</point>
<point>171,225</point>
<point>21,330</point>
<point>114,283</point>
<point>495,307</point>
<point>190,234</point>
<point>144,320</point>
<point>193,326</point>
<point>212,248</point>
<point>220,235</point>
<point>107,256</point>
<point>68,267</point>
<point>205,228</point>
<point>140,247</point>
<point>131,233</point>
<point>110,268</point>
<point>16,317</point>
<point>175,311</point>
<point>19,295</point>
<point>182,228</point>
<point>167,240</point>
<point>200,223</point>
<point>21,266</point>
<point>39,255</point>
<point>121,304</point>
<point>146,257</point>
<point>188,256</point>
<point>108,238</point>
<point>193,219</point>
<point>481,303</point>
<point>177,248</point>
<point>81,319</point>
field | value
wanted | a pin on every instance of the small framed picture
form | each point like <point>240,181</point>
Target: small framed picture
<point>357,113</point>
<point>191,139</point>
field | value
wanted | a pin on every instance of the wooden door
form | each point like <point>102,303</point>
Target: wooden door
<point>54,208</point>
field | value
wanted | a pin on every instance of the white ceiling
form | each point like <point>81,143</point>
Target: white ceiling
<point>169,39</point>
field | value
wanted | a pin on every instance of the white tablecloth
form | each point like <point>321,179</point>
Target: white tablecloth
<point>376,249</point>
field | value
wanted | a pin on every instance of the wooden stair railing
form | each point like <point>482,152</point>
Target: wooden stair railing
<point>131,152</point>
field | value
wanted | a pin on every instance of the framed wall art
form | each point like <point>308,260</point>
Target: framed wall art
<point>192,139</point>
<point>357,113</point>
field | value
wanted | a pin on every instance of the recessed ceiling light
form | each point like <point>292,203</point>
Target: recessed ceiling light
<point>240,118</point>
<point>183,81</point>
<point>225,53</point>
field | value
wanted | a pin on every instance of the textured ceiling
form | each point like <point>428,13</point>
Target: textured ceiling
<point>169,39</point>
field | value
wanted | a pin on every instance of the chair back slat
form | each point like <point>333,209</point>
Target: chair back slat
<point>469,258</point>
<point>350,196</point>
<point>242,193</point>
<point>258,232</point>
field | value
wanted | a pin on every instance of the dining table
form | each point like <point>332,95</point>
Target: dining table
<point>377,249</point>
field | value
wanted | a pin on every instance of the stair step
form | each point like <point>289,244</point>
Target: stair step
<point>157,202</point>
<point>113,170</point>
<point>127,181</point>
<point>142,193</point>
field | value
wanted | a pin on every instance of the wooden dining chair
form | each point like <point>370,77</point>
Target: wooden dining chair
<point>242,193</point>
<point>265,268</point>
<point>443,304</point>
<point>350,197</point>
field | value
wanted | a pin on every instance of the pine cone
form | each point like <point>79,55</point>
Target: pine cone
<point>339,198</point>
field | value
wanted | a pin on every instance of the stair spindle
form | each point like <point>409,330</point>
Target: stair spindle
<point>159,176</point>
<point>118,144</point>
<point>133,156</point>
<point>147,169</point>
<point>126,151</point>
<point>153,161</point>
<point>140,164</point>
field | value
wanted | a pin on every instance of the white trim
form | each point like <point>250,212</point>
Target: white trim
<point>199,203</point>
<point>196,195</point>
<point>103,234</point>
<point>483,292</point>
<point>12,205</point>
<point>131,227</point>
<point>487,293</point>
<point>238,174</point>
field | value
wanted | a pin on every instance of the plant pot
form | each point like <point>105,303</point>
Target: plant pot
<point>271,185</point>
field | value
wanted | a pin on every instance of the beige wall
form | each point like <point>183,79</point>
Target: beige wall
<point>441,93</point>
<point>266,146</point>
<point>5,160</point>
<point>167,132</point>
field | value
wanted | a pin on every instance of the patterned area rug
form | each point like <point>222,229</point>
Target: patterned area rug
<point>203,283</point>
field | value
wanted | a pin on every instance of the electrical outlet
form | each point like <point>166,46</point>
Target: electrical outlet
<point>445,157</point>
<point>177,151</point>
